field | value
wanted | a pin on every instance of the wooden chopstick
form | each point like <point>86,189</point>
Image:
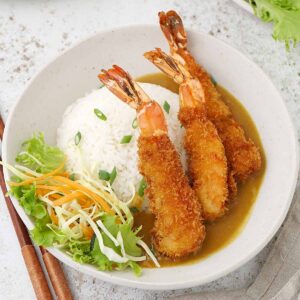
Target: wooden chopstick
<point>36,274</point>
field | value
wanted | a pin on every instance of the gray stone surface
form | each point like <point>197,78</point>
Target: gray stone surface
<point>34,32</point>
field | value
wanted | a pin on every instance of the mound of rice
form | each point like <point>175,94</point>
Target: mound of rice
<point>100,145</point>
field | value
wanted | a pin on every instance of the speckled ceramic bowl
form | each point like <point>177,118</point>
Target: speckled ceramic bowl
<point>74,73</point>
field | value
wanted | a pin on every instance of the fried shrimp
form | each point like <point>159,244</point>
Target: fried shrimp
<point>243,155</point>
<point>207,162</point>
<point>178,229</point>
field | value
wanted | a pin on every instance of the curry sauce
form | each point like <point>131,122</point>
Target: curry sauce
<point>224,230</point>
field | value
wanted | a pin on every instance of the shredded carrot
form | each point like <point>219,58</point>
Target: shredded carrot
<point>85,202</point>
<point>67,198</point>
<point>63,189</point>
<point>41,192</point>
<point>54,196</point>
<point>87,231</point>
<point>43,177</point>
<point>64,174</point>
<point>85,190</point>
<point>53,217</point>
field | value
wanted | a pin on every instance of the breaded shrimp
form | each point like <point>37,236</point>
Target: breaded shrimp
<point>178,229</point>
<point>243,155</point>
<point>207,163</point>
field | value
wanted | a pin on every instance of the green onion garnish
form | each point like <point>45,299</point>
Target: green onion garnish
<point>113,175</point>
<point>213,80</point>
<point>72,177</point>
<point>100,114</point>
<point>77,138</point>
<point>166,106</point>
<point>104,175</point>
<point>142,187</point>
<point>126,139</point>
<point>134,124</point>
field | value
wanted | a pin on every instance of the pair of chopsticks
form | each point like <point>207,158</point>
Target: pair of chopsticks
<point>34,268</point>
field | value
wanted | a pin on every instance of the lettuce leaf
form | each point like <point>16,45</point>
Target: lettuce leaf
<point>103,263</point>
<point>41,234</point>
<point>130,240</point>
<point>285,14</point>
<point>39,156</point>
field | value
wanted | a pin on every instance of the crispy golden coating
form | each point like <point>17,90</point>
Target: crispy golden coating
<point>242,154</point>
<point>206,162</point>
<point>178,229</point>
<point>205,152</point>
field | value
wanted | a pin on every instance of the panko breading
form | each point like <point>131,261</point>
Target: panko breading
<point>207,163</point>
<point>178,230</point>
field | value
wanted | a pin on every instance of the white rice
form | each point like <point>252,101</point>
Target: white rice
<point>100,146</point>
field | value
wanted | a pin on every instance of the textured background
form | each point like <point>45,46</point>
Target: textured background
<point>33,32</point>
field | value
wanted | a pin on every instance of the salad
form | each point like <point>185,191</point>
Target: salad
<point>74,212</point>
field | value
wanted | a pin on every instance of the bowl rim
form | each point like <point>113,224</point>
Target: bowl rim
<point>135,283</point>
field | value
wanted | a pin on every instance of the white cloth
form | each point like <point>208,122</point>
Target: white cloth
<point>279,278</point>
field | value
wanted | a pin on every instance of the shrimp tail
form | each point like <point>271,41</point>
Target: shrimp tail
<point>167,64</point>
<point>150,116</point>
<point>120,83</point>
<point>173,29</point>
<point>191,91</point>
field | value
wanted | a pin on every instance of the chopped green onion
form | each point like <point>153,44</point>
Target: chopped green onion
<point>113,175</point>
<point>134,123</point>
<point>72,177</point>
<point>100,114</point>
<point>142,187</point>
<point>134,210</point>
<point>77,138</point>
<point>104,175</point>
<point>166,106</point>
<point>213,80</point>
<point>101,85</point>
<point>126,139</point>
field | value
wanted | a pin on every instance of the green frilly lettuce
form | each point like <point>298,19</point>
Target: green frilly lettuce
<point>285,14</point>
<point>38,156</point>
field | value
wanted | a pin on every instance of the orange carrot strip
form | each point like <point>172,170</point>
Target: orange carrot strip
<point>86,204</point>
<point>54,196</point>
<point>41,192</point>
<point>63,189</point>
<point>43,177</point>
<point>85,190</point>
<point>64,174</point>
<point>87,231</point>
<point>67,198</point>
<point>53,217</point>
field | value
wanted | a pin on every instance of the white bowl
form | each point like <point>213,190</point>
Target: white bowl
<point>74,73</point>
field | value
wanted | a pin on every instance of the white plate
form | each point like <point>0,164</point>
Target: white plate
<point>74,73</point>
<point>243,4</point>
